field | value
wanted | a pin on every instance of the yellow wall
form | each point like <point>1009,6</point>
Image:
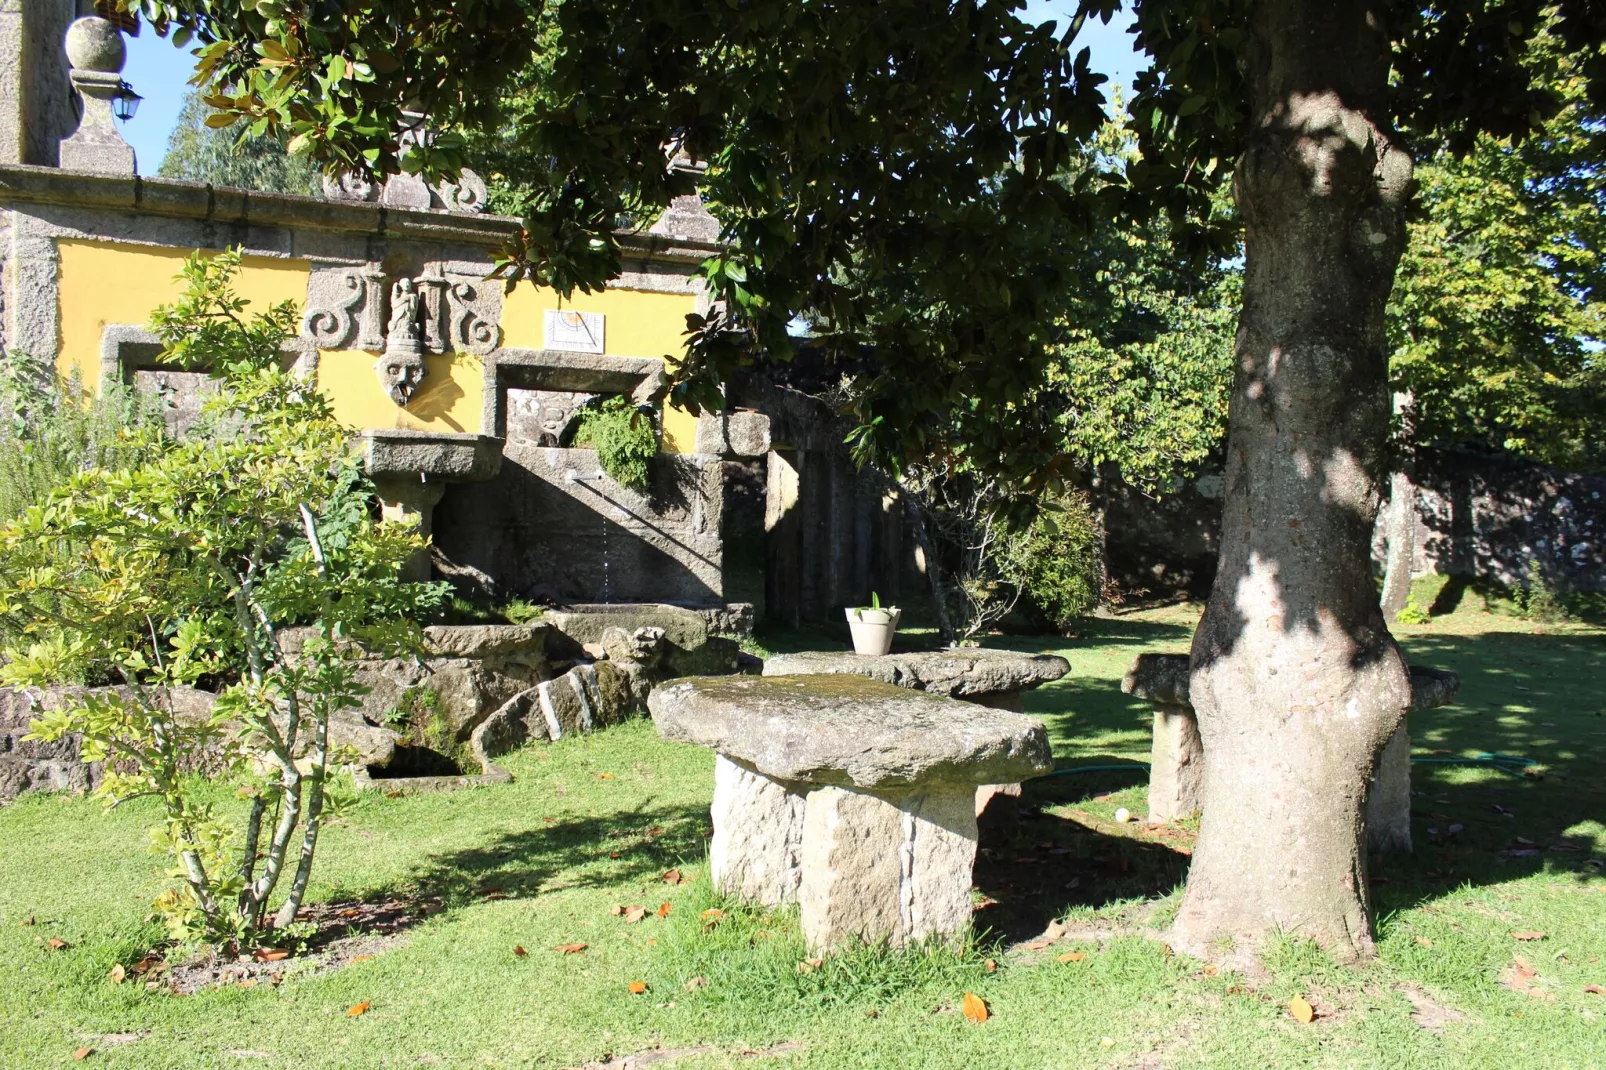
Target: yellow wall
<point>636,324</point>
<point>103,283</point>
<point>448,399</point>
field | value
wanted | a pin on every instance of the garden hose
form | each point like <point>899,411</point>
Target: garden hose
<point>1511,764</point>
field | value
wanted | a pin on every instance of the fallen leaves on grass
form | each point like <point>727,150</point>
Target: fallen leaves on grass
<point>1535,935</point>
<point>1521,977</point>
<point>82,1053</point>
<point>270,954</point>
<point>975,1008</point>
<point>674,876</point>
<point>810,965</point>
<point>638,987</point>
<point>57,944</point>
<point>116,974</point>
<point>1423,941</point>
<point>606,776</point>
<point>518,950</point>
<point>713,916</point>
<point>664,908</point>
<point>357,1010</point>
<point>695,983</point>
<point>1070,956</point>
<point>1595,990</point>
<point>1300,1010</point>
<point>570,949</point>
<point>989,966</point>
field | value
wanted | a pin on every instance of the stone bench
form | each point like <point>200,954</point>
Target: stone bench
<point>1176,757</point>
<point>853,798</point>
<point>986,677</point>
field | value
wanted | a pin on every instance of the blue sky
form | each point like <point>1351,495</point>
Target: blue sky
<point>159,73</point>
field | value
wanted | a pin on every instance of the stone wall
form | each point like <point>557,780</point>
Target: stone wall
<point>85,258</point>
<point>833,533</point>
<point>1480,517</point>
<point>36,103</point>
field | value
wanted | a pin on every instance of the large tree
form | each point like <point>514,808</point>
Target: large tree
<point>921,138</point>
<point>204,152</point>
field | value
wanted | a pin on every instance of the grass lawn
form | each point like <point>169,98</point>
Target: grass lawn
<point>473,879</point>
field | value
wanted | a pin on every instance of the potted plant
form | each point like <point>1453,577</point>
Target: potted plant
<point>872,626</point>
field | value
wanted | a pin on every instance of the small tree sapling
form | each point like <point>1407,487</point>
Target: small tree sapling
<point>188,567</point>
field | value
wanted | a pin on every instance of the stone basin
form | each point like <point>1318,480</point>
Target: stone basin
<point>852,797</point>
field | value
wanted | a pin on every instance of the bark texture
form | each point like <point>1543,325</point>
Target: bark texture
<point>1295,679</point>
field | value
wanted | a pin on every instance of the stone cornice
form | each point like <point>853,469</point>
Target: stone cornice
<point>178,199</point>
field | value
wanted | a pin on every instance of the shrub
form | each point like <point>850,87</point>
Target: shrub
<point>49,431</point>
<point>189,565</point>
<point>624,438</point>
<point>1059,563</point>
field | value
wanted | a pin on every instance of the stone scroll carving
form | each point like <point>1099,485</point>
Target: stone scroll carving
<point>467,195</point>
<point>403,317</point>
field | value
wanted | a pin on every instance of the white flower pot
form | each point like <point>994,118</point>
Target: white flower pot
<point>872,630</point>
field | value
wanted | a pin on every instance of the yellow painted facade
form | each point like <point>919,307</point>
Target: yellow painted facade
<point>102,283</point>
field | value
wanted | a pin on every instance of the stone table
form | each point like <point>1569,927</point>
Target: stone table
<point>1176,759</point>
<point>852,797</point>
<point>993,678</point>
<point>986,677</point>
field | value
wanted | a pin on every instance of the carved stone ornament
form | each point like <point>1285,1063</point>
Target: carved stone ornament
<point>401,369</point>
<point>400,374</point>
<point>434,311</point>
<point>466,196</point>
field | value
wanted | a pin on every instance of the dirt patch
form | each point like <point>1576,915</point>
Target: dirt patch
<point>327,936</point>
<point>659,1056</point>
<point>1428,1012</point>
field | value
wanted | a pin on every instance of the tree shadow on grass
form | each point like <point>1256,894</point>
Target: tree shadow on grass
<point>1053,861</point>
<point>579,852</point>
<point>1541,697</point>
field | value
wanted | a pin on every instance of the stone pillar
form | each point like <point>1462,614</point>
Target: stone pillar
<point>879,865</point>
<point>411,500</point>
<point>758,834</point>
<point>36,109</point>
<point>95,49</point>
<point>1176,764</point>
<point>1388,805</point>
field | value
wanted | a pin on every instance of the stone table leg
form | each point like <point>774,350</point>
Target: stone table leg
<point>1176,764</point>
<point>1388,806</point>
<point>411,500</point>
<point>997,808</point>
<point>758,834</point>
<point>887,866</point>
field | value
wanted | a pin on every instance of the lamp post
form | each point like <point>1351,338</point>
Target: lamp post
<point>126,102</point>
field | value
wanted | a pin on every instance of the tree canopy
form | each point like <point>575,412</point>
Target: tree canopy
<point>1498,313</point>
<point>204,152</point>
<point>846,144</point>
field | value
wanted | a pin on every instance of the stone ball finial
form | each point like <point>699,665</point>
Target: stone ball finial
<point>96,44</point>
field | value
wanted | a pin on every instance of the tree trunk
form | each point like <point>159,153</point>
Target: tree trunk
<point>1295,679</point>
